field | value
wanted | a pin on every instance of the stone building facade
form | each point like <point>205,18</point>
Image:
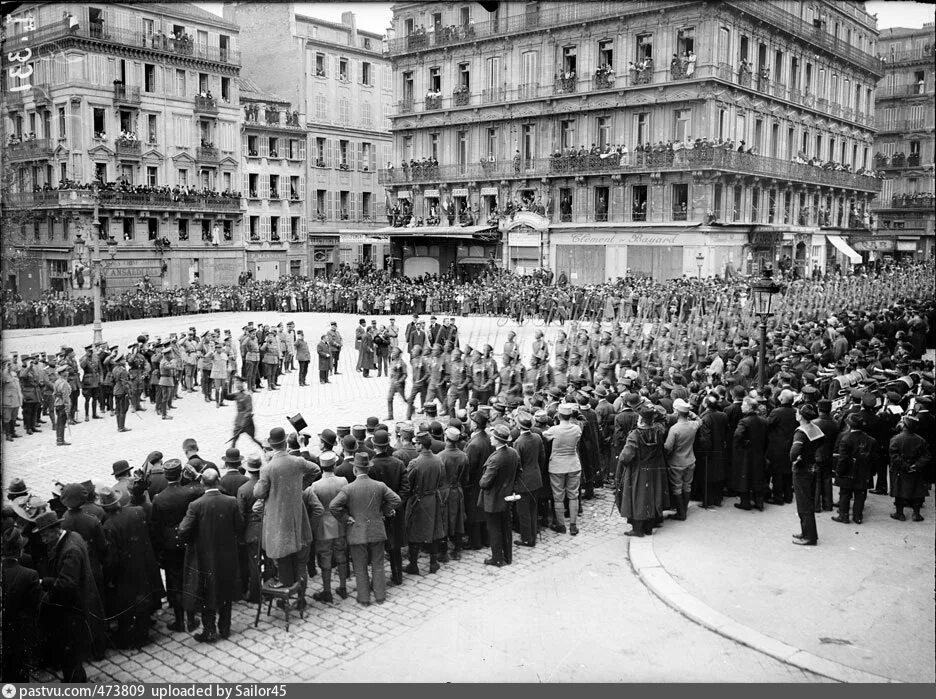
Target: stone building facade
<point>145,97</point>
<point>519,105</point>
<point>905,145</point>
<point>338,78</point>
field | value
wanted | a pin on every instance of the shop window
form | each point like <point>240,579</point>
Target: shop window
<point>639,205</point>
<point>680,201</point>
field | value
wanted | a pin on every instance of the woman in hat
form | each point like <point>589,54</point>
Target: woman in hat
<point>641,479</point>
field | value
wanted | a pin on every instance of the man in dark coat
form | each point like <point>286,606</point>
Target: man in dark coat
<point>70,609</point>
<point>389,469</point>
<point>303,356</point>
<point>169,508</point>
<point>589,452</point>
<point>478,450</point>
<point>710,448</point>
<point>232,479</point>
<point>88,526</point>
<point>529,483</point>
<point>909,459</point>
<point>641,481</point>
<point>21,592</point>
<point>853,469</point>
<point>324,351</point>
<point>362,506</point>
<point>132,585</point>
<point>211,528</point>
<point>748,452</point>
<point>454,465</point>
<point>824,457</point>
<point>781,424</point>
<point>422,488</point>
<point>733,412</point>
<point>497,483</point>
<point>250,576</point>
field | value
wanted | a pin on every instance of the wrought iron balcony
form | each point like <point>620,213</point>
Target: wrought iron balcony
<point>109,200</point>
<point>728,161</point>
<point>35,149</point>
<point>128,149</point>
<point>919,200</point>
<point>207,154</point>
<point>205,105</point>
<point>461,98</point>
<point>433,102</point>
<point>564,86</point>
<point>124,94</point>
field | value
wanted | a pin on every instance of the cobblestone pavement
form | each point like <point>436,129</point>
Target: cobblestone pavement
<point>570,609</point>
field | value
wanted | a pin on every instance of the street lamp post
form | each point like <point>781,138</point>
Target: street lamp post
<point>700,260</point>
<point>763,291</point>
<point>97,272</point>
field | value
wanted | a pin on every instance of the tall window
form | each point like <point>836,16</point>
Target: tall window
<point>435,79</point>
<point>569,64</point>
<point>61,122</point>
<point>642,127</point>
<point>528,68</point>
<point>151,135</point>
<point>724,44</point>
<point>528,143</point>
<point>681,124</point>
<point>491,140</point>
<point>434,145</point>
<point>461,141</point>
<point>603,128</point>
<point>493,72</point>
<point>567,133</point>
<point>606,53</point>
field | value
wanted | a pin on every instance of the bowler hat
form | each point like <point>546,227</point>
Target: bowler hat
<point>328,437</point>
<point>120,467</point>
<point>381,438</point>
<point>525,420</point>
<point>435,428</point>
<point>46,520</point>
<point>73,495</point>
<point>372,423</point>
<point>232,456</point>
<point>349,444</point>
<point>277,437</point>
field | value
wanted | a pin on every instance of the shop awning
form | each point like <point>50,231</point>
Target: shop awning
<point>473,261</point>
<point>843,247</point>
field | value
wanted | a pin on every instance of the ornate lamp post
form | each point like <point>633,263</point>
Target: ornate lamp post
<point>700,260</point>
<point>97,272</point>
<point>763,291</point>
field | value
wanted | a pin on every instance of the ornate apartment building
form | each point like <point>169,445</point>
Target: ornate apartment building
<point>341,83</point>
<point>274,184</point>
<point>144,99</point>
<point>905,145</point>
<point>519,105</point>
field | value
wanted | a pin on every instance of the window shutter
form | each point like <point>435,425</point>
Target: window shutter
<point>332,152</point>
<point>302,187</point>
<point>303,228</point>
<point>245,181</point>
<point>359,152</point>
<point>264,147</point>
<point>302,149</point>
<point>355,213</point>
<point>330,205</point>
<point>284,187</point>
<point>373,158</point>
<point>380,209</point>
<point>264,185</point>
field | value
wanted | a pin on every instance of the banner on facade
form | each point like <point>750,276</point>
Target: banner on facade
<point>460,192</point>
<point>489,191</point>
<point>431,193</point>
<point>875,245</point>
<point>404,194</point>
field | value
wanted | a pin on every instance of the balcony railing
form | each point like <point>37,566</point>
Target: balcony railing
<point>920,200</point>
<point>124,94</point>
<point>493,94</point>
<point>128,149</point>
<point>207,154</point>
<point>818,36</point>
<point>564,86</point>
<point>695,159</point>
<point>206,105</point>
<point>905,124</point>
<point>84,198</point>
<point>528,91</point>
<point>552,16</point>
<point>405,106</point>
<point>121,37</point>
<point>898,160</point>
<point>461,98</point>
<point>917,54</point>
<point>904,90</point>
<point>433,102</point>
<point>36,149</point>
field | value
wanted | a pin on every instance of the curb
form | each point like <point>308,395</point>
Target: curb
<point>651,572</point>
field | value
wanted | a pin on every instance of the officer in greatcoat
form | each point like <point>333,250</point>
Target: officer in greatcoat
<point>422,490</point>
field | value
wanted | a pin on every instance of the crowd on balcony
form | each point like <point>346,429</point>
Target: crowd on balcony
<point>641,71</point>
<point>683,66</point>
<point>122,185</point>
<point>899,159</point>
<point>433,99</point>
<point>415,169</point>
<point>207,98</point>
<point>127,137</point>
<point>604,76</point>
<point>15,140</point>
<point>915,199</point>
<point>401,214</point>
<point>565,81</point>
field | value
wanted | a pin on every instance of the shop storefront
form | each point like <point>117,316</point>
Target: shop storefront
<point>267,265</point>
<point>323,255</point>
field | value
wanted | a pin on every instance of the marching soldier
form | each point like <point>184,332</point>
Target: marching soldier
<point>398,374</point>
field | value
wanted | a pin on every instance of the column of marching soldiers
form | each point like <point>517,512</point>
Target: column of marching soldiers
<point>493,449</point>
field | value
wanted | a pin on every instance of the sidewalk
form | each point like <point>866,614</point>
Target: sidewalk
<point>857,607</point>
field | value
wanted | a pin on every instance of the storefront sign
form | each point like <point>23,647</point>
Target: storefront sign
<point>765,239</point>
<point>363,238</point>
<point>325,242</point>
<point>523,239</point>
<point>906,246</point>
<point>132,272</point>
<point>489,191</point>
<point>431,193</point>
<point>625,239</point>
<point>460,192</point>
<point>876,245</point>
<point>404,194</point>
<point>256,256</point>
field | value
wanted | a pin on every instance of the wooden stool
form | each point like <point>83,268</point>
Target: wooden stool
<point>286,594</point>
